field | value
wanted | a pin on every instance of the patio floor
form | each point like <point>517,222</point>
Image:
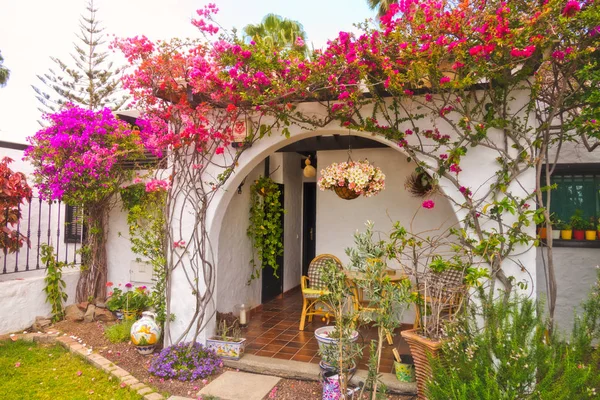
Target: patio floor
<point>273,332</point>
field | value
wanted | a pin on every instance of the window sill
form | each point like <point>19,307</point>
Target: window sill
<point>584,244</point>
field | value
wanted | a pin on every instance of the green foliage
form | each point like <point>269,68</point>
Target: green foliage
<point>55,286</point>
<point>577,221</point>
<point>91,82</point>
<point>50,373</point>
<point>511,356</point>
<point>135,300</point>
<point>265,228</point>
<point>387,299</point>
<point>146,220</point>
<point>229,332</point>
<point>119,332</point>
<point>4,72</point>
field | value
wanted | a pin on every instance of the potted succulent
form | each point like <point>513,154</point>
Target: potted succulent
<point>566,231</point>
<point>352,178</point>
<point>590,231</point>
<point>579,225</point>
<point>227,343</point>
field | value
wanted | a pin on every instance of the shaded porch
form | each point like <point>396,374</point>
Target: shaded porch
<point>273,332</point>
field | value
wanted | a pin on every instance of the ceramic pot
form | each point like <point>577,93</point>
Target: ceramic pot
<point>228,348</point>
<point>324,340</point>
<point>566,234</point>
<point>145,333</point>
<point>578,235</point>
<point>590,235</point>
<point>555,233</point>
<point>128,315</point>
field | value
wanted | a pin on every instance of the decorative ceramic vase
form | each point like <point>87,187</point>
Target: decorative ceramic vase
<point>145,333</point>
<point>230,348</point>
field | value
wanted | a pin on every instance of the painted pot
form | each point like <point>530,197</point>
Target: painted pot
<point>590,235</point>
<point>555,233</point>
<point>331,386</point>
<point>566,234</point>
<point>128,315</point>
<point>145,333</point>
<point>578,235</point>
<point>229,348</point>
<point>542,233</point>
<point>324,339</point>
<point>404,372</point>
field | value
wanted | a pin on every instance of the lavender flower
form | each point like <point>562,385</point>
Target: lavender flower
<point>185,362</point>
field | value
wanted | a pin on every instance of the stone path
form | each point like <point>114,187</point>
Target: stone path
<point>240,385</point>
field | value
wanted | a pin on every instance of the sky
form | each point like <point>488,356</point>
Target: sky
<point>32,31</point>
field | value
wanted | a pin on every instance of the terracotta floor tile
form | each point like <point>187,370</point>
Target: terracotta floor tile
<point>286,336</point>
<point>279,342</point>
<point>295,345</point>
<point>307,352</point>
<point>300,357</point>
<point>272,347</point>
<point>264,353</point>
<point>262,340</point>
<point>288,350</point>
<point>283,356</point>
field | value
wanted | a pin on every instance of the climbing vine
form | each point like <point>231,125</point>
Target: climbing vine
<point>145,204</point>
<point>265,228</point>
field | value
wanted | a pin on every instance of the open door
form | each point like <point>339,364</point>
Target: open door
<point>309,224</point>
<point>272,286</point>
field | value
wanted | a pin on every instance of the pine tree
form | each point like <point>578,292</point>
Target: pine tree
<point>4,72</point>
<point>91,82</point>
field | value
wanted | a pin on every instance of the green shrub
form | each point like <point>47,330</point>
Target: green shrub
<point>510,355</point>
<point>119,332</point>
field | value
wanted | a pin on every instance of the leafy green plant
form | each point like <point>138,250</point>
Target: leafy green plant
<point>265,230</point>
<point>386,300</point>
<point>146,220</point>
<point>129,300</point>
<point>511,355</point>
<point>119,332</point>
<point>55,285</point>
<point>577,221</point>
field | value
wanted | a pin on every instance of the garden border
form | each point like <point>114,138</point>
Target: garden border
<point>92,358</point>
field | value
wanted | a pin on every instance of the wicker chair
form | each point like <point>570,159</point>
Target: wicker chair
<point>448,288</point>
<point>313,288</point>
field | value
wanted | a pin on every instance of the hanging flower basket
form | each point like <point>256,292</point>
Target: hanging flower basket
<point>352,178</point>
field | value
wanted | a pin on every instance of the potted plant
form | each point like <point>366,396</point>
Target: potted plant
<point>566,231</point>
<point>579,225</point>
<point>352,178</point>
<point>590,230</point>
<point>556,224</point>
<point>442,272</point>
<point>128,303</point>
<point>338,345</point>
<point>598,228</point>
<point>227,343</point>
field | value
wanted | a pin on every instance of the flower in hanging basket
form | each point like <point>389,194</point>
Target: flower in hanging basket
<point>357,177</point>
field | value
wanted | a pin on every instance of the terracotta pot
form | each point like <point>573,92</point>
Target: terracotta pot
<point>421,349</point>
<point>542,233</point>
<point>578,235</point>
<point>344,193</point>
<point>590,235</point>
<point>566,234</point>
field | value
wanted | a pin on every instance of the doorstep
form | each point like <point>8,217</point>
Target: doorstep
<point>309,372</point>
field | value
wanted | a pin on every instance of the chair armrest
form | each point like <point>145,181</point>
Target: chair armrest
<point>304,282</point>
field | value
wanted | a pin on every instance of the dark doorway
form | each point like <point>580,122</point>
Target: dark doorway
<point>309,224</point>
<point>272,286</point>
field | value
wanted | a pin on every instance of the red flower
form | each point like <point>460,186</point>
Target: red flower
<point>429,204</point>
<point>109,284</point>
<point>571,8</point>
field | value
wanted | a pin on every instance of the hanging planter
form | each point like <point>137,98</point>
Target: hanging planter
<point>352,179</point>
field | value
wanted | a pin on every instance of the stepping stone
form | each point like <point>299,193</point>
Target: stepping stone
<point>240,385</point>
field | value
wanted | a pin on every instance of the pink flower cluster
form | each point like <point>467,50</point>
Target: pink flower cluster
<point>156,185</point>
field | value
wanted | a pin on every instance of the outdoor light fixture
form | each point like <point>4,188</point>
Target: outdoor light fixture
<point>309,171</point>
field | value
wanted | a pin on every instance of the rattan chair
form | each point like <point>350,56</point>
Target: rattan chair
<point>313,288</point>
<point>449,290</point>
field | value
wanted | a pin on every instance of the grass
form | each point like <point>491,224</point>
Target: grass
<point>120,332</point>
<point>36,371</point>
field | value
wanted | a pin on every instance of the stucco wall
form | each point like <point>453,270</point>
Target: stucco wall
<point>575,275</point>
<point>22,299</point>
<point>235,252</point>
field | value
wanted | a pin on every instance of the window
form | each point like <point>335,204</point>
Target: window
<point>74,231</point>
<point>577,188</point>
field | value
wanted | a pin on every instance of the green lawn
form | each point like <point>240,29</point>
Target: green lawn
<point>35,371</point>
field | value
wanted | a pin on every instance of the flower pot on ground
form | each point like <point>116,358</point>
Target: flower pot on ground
<point>542,233</point>
<point>145,333</point>
<point>405,369</point>
<point>590,235</point>
<point>578,224</point>
<point>422,349</point>
<point>566,232</point>
<point>578,234</point>
<point>328,340</point>
<point>555,233</point>
<point>228,342</point>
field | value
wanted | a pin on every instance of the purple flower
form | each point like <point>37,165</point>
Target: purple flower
<point>185,362</point>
